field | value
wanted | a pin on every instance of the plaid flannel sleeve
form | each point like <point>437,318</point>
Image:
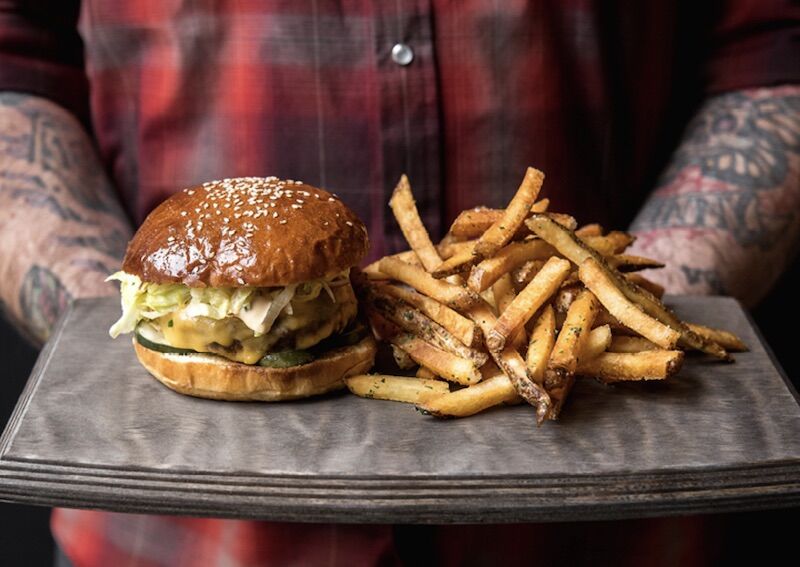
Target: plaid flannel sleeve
<point>41,52</point>
<point>755,43</point>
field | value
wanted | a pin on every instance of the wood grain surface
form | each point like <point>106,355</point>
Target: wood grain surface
<point>93,429</point>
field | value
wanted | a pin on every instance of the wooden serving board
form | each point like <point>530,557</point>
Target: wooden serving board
<point>94,430</point>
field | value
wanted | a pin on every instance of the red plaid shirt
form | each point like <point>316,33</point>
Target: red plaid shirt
<point>350,94</point>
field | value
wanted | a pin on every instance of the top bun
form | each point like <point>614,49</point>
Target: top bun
<point>248,231</point>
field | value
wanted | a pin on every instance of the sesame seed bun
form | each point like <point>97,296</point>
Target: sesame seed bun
<point>248,231</point>
<point>210,376</point>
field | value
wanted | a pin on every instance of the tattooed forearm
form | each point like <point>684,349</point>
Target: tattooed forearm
<point>726,214</point>
<point>61,228</point>
<point>42,299</point>
<point>111,243</point>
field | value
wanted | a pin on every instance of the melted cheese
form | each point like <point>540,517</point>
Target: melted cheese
<point>309,323</point>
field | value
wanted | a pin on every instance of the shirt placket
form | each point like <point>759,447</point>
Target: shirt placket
<point>410,123</point>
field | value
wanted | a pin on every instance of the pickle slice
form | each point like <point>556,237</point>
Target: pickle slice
<point>286,358</point>
<point>158,347</point>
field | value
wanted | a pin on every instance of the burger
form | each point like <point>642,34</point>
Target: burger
<point>239,289</point>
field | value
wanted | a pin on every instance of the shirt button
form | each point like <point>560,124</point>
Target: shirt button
<point>402,54</point>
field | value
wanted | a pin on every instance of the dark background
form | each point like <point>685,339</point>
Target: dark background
<point>25,537</point>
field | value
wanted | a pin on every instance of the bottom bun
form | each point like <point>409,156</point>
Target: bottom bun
<point>211,376</point>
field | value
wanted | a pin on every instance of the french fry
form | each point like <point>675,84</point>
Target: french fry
<point>471,400</point>
<point>541,206</point>
<point>474,222</point>
<point>501,231</point>
<point>543,337</point>
<point>415,322</point>
<point>565,296</point>
<point>503,291</point>
<point>395,388</point>
<point>570,345</point>
<point>504,294</point>
<point>373,271</point>
<point>612,243</point>
<point>525,273</point>
<point>505,260</point>
<point>461,261</point>
<point>427,373</point>
<point>725,339</point>
<point>385,330</point>
<point>574,334</point>
<point>448,240</point>
<point>657,290</point>
<point>618,367</point>
<point>632,263</point>
<point>449,249</point>
<point>402,358</point>
<point>416,277</point>
<point>567,221</point>
<point>529,300</point>
<point>593,229</point>
<point>490,370</point>
<point>405,211</point>
<point>512,365</point>
<point>617,328</point>
<point>459,326</point>
<point>447,365</point>
<point>621,308</point>
<point>501,274</point>
<point>598,342</point>
<point>622,343</point>
<point>488,296</point>
<point>571,279</point>
<point>572,248</point>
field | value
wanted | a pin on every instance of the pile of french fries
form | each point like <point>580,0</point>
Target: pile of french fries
<point>513,305</point>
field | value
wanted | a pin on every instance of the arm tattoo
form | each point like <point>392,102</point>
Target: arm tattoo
<point>111,243</point>
<point>61,152</point>
<point>62,229</point>
<point>730,198</point>
<point>42,299</point>
<point>34,193</point>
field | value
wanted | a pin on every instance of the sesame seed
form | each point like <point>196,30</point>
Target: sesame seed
<point>348,223</point>
<point>284,221</point>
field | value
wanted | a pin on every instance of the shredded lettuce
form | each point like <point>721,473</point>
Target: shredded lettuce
<point>145,301</point>
<point>258,308</point>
